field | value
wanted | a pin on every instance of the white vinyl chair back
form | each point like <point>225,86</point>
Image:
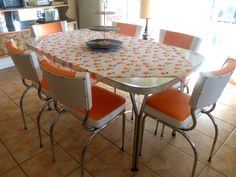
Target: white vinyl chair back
<point>210,85</point>
<point>179,40</point>
<point>129,29</point>
<point>40,30</point>
<point>64,26</point>
<point>72,89</point>
<point>26,62</point>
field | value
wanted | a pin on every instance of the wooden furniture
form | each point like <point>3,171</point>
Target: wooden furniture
<point>20,35</point>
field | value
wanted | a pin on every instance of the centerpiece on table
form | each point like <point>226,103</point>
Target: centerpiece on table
<point>104,43</point>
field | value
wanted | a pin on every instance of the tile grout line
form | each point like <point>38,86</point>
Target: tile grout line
<point>18,165</point>
<point>207,166</point>
<point>224,143</point>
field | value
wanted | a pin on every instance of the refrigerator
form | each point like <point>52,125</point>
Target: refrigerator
<point>88,17</point>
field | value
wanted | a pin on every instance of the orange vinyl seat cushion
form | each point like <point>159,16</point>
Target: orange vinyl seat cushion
<point>172,102</point>
<point>44,84</point>
<point>104,102</point>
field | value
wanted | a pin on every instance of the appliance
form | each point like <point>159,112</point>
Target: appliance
<point>11,3</point>
<point>48,15</point>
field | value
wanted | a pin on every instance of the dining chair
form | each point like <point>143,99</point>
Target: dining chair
<point>95,106</point>
<point>129,29</point>
<point>27,65</point>
<point>45,29</point>
<point>180,40</point>
<point>179,111</point>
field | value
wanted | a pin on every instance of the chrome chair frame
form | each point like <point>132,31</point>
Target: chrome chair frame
<point>40,95</point>
<point>194,46</point>
<point>82,98</point>
<point>182,132</point>
<point>28,87</point>
<point>27,76</point>
<point>94,132</point>
<point>198,103</point>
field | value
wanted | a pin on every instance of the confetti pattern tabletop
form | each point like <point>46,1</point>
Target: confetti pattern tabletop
<point>136,58</point>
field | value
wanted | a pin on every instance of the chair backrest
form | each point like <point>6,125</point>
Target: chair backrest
<point>179,40</point>
<point>26,62</point>
<point>40,30</point>
<point>70,88</point>
<point>210,85</point>
<point>129,29</point>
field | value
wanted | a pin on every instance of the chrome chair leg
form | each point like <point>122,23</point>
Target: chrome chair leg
<point>216,135</point>
<point>21,104</point>
<point>49,106</point>
<point>142,133</point>
<point>187,89</point>
<point>85,150</point>
<point>132,113</point>
<point>174,133</point>
<point>194,150</point>
<point>51,134</point>
<point>123,132</point>
<point>38,121</point>
<point>157,125</point>
<point>162,131</point>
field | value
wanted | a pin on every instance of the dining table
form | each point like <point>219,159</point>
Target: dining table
<point>139,66</point>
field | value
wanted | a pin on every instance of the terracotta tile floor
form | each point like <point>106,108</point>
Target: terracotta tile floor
<point>20,155</point>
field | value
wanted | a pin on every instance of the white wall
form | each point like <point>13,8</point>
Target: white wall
<point>187,16</point>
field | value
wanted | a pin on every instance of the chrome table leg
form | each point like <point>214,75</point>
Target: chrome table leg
<point>137,130</point>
